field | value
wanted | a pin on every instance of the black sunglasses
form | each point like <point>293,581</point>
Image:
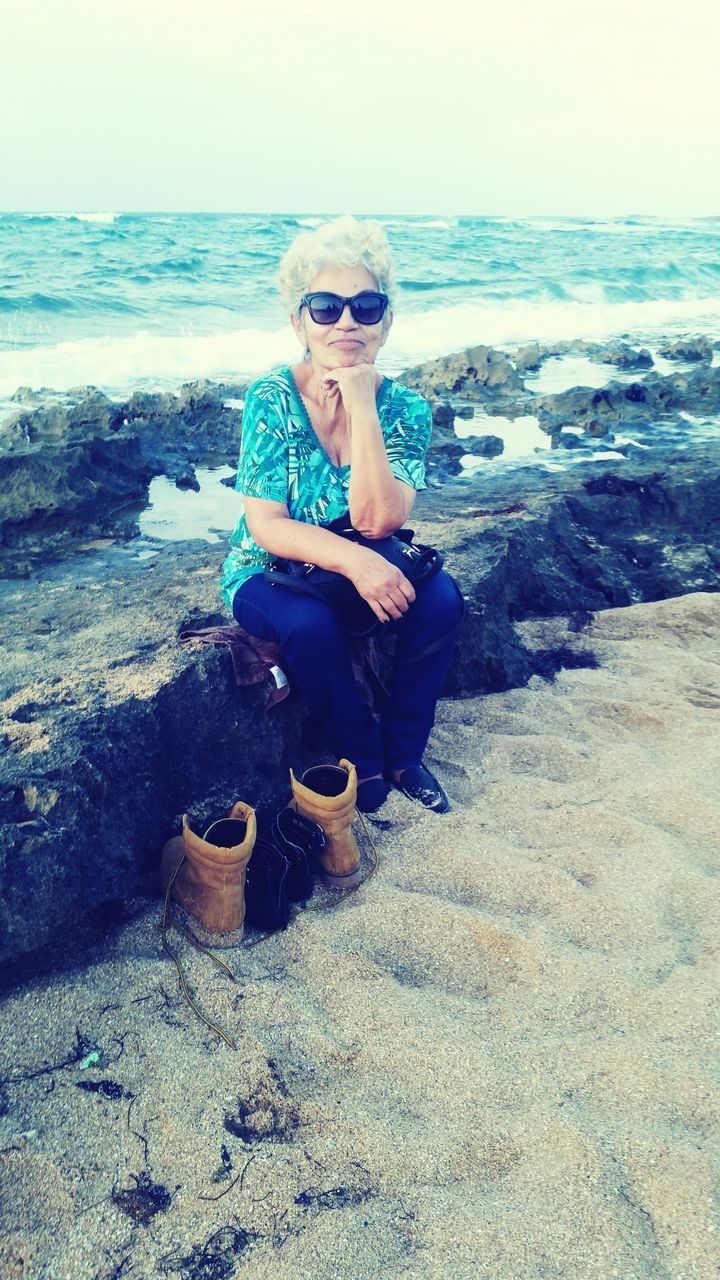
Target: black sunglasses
<point>365,308</point>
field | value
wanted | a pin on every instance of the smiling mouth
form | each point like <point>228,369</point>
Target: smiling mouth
<point>346,342</point>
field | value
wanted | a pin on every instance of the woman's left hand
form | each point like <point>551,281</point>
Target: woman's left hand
<point>356,384</point>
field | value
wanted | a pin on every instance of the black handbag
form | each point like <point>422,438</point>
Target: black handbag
<point>416,561</point>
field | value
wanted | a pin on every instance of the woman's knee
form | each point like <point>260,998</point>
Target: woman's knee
<point>439,600</point>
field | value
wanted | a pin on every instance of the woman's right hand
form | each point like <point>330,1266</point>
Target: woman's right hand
<point>386,589</point>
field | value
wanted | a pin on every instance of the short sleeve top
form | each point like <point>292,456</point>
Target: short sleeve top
<point>282,460</point>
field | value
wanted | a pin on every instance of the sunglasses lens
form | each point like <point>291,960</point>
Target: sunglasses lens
<point>325,308</point>
<point>368,308</point>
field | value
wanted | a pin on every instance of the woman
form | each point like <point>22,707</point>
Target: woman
<point>323,437</point>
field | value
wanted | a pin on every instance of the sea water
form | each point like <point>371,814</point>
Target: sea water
<point>128,300</point>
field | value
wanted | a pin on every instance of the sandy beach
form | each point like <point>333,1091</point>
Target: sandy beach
<point>495,1060</point>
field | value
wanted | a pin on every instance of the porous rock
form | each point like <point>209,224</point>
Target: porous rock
<point>474,373</point>
<point>623,356</point>
<point>527,359</point>
<point>656,397</point>
<point>73,469</point>
<point>689,349</point>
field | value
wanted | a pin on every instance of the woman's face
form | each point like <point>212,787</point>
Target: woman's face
<point>335,346</point>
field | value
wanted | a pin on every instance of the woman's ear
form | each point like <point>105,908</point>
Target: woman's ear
<point>298,325</point>
<point>387,325</point>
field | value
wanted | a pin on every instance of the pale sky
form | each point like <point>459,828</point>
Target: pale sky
<point>517,107</point>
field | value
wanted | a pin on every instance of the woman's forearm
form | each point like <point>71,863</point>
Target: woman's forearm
<point>381,583</point>
<point>374,495</point>
<point>295,540</point>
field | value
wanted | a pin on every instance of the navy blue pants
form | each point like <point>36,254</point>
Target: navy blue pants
<point>315,653</point>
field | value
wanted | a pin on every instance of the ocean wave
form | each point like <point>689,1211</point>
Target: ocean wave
<point>145,360</point>
<point>89,302</point>
<point>260,255</point>
<point>620,226</point>
<point>429,286</point>
<point>75,217</point>
<point>423,335</point>
<point>168,266</point>
<point>36,302</point>
<point>476,220</point>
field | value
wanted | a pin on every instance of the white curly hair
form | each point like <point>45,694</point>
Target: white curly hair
<point>344,242</point>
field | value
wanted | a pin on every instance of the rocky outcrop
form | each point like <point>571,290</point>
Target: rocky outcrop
<point>527,359</point>
<point>688,349</point>
<point>622,355</point>
<point>76,467</point>
<point>447,448</point>
<point>485,446</point>
<point>73,470</point>
<point>200,422</point>
<point>474,374</point>
<point>656,398</point>
<point>110,730</point>
<point>55,496</point>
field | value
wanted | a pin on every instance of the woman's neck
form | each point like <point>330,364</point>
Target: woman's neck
<point>308,379</point>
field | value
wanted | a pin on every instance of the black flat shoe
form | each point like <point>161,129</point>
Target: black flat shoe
<point>419,784</point>
<point>371,794</point>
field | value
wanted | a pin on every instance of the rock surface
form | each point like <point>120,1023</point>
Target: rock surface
<point>623,356</point>
<point>688,349</point>
<point>73,470</point>
<point>474,373</point>
<point>640,404</point>
<point>110,730</point>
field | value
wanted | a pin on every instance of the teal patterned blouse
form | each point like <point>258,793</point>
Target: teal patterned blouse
<point>282,459</point>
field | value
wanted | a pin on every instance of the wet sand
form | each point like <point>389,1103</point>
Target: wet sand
<point>497,1059</point>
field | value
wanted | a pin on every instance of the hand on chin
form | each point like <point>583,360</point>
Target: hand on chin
<point>355,382</point>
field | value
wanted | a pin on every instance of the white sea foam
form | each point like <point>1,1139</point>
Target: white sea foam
<point>155,361</point>
<point>609,226</point>
<point>602,455</point>
<point>150,361</point>
<point>620,439</point>
<point>79,217</point>
<point>418,336</point>
<point>589,291</point>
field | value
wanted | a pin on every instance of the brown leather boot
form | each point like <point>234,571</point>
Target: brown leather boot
<point>326,794</point>
<point>210,880</point>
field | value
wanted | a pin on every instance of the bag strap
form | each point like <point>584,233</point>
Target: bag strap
<point>304,585</point>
